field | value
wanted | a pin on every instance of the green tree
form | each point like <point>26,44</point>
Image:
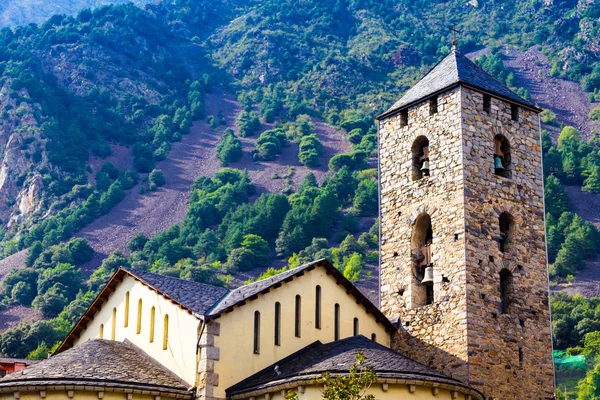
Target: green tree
<point>592,182</point>
<point>353,267</point>
<point>351,386</point>
<point>33,253</point>
<point>589,387</point>
<point>366,199</point>
<point>259,249</point>
<point>229,148</point>
<point>555,196</point>
<point>156,178</point>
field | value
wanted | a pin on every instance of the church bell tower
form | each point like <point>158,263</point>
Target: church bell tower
<point>463,248</point>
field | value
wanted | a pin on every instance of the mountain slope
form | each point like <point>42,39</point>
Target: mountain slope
<point>24,12</point>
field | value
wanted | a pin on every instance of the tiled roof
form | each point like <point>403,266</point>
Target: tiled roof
<point>198,297</point>
<point>239,296</point>
<point>242,293</point>
<point>453,70</point>
<point>336,358</point>
<point>99,363</point>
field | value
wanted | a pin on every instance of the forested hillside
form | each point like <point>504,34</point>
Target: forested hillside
<point>274,104</point>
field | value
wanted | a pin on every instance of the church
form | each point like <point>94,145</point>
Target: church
<point>464,310</point>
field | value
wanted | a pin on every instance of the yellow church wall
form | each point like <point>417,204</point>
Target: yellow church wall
<point>78,395</point>
<point>393,392</point>
<point>235,342</point>
<point>180,354</point>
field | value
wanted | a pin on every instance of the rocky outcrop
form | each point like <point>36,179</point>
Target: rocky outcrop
<point>22,154</point>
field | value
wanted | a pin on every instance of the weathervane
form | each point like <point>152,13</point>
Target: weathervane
<point>455,41</point>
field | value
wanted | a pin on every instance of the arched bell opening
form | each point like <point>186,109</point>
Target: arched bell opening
<point>420,158</point>
<point>502,160</point>
<point>506,228</point>
<point>421,247</point>
<point>506,291</point>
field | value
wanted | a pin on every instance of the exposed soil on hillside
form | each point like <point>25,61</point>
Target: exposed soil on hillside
<point>566,99</point>
<point>193,157</point>
<point>587,206</point>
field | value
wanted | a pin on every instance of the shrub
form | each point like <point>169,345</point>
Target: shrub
<point>310,149</point>
<point>156,177</point>
<point>354,160</point>
<point>229,148</point>
<point>248,123</point>
<point>269,144</point>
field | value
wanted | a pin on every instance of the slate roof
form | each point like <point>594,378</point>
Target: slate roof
<point>235,296</point>
<point>336,358</point>
<point>198,297</point>
<point>239,296</point>
<point>100,363</point>
<point>453,70</point>
<point>209,302</point>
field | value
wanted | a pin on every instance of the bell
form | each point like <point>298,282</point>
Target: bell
<point>498,163</point>
<point>428,278</point>
<point>425,166</point>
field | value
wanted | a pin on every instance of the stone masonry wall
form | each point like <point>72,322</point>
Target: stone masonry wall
<point>496,367</point>
<point>465,333</point>
<point>435,334</point>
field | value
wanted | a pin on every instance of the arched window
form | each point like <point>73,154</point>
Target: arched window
<point>256,332</point>
<point>505,223</point>
<point>421,247</point>
<point>355,327</point>
<point>113,328</point>
<point>166,332</point>
<point>101,333</point>
<point>336,322</point>
<point>126,320</point>
<point>297,316</point>
<point>318,307</point>
<point>373,337</point>
<point>420,158</point>
<point>502,160</point>
<point>138,328</point>
<point>506,290</point>
<point>277,324</point>
<point>152,313</point>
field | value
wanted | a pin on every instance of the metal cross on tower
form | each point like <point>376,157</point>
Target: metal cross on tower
<point>455,41</point>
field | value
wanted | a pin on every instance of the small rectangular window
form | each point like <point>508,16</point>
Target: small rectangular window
<point>433,105</point>
<point>297,318</point>
<point>520,357</point>
<point>403,118</point>
<point>514,112</point>
<point>256,332</point>
<point>336,322</point>
<point>355,327</point>
<point>277,324</point>
<point>318,307</point>
<point>487,102</point>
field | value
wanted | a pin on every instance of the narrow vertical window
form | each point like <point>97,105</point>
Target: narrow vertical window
<point>506,281</point>
<point>126,320</point>
<point>152,312</point>
<point>318,307</point>
<point>297,316</point>
<point>336,322</point>
<point>166,332</point>
<point>420,158</point>
<point>433,105</point>
<point>138,328</point>
<point>113,329</point>
<point>355,327</point>
<point>487,103</point>
<point>256,332</point>
<point>403,118</point>
<point>520,357</point>
<point>101,333</point>
<point>514,112</point>
<point>277,324</point>
<point>373,337</point>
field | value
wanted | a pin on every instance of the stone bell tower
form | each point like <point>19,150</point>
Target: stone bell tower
<point>463,251</point>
